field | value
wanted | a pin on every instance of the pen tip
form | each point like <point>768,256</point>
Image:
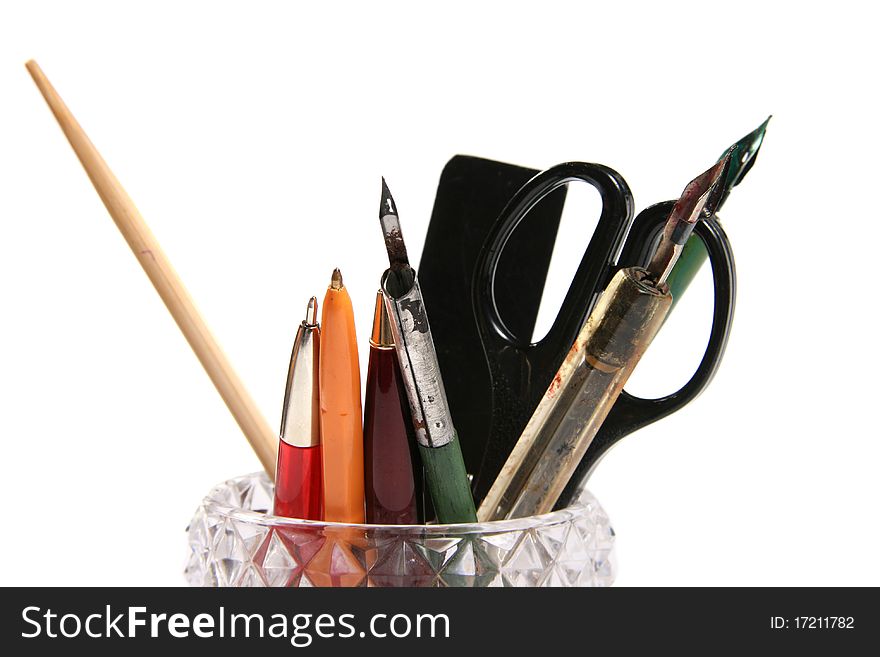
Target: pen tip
<point>700,197</point>
<point>386,206</point>
<point>336,280</point>
<point>742,155</point>
<point>687,210</point>
<point>312,312</point>
<point>394,244</point>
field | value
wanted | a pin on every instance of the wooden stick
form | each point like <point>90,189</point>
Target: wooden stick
<point>160,272</point>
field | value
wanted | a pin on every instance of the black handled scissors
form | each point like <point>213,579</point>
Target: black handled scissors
<point>520,371</point>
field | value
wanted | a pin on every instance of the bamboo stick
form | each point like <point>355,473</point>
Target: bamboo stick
<point>163,277</point>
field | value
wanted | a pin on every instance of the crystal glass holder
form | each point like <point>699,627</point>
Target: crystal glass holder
<point>234,541</point>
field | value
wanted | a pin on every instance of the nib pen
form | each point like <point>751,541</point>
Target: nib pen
<point>440,450</point>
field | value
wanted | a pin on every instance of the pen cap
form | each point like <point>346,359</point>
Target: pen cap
<point>301,414</point>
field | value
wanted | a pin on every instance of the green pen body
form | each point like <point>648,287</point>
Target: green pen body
<point>693,256</point>
<point>448,482</point>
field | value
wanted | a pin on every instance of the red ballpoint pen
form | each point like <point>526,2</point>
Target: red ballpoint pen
<point>298,472</point>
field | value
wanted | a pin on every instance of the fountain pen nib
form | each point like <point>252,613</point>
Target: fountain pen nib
<point>716,176</point>
<point>744,153</point>
<point>742,158</point>
<point>694,199</point>
<point>387,206</point>
<point>391,229</point>
<point>684,217</point>
<point>400,277</point>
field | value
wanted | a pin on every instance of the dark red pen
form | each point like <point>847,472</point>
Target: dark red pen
<point>298,471</point>
<point>393,487</point>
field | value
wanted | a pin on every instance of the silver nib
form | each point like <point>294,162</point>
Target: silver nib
<point>391,228</point>
<point>400,277</point>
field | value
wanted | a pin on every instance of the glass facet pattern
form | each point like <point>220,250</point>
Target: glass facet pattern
<point>233,541</point>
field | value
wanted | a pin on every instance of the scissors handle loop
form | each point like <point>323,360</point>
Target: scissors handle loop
<point>616,216</point>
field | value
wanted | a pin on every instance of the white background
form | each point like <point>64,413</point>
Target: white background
<point>252,137</point>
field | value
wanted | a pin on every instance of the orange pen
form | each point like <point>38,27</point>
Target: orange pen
<point>341,429</point>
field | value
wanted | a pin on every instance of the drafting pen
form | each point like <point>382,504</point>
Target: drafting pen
<point>439,448</point>
<point>341,430</point>
<point>392,485</point>
<point>298,473</point>
<point>742,157</point>
<point>618,331</point>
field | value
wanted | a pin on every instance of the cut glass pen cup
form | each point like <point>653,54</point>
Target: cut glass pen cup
<point>234,541</point>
